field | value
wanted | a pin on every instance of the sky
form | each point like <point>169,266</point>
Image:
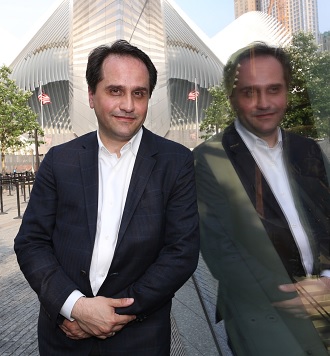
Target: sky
<point>20,19</point>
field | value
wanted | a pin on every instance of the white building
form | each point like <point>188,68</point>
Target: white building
<point>295,15</point>
<point>250,27</point>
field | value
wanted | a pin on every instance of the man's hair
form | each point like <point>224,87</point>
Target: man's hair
<point>253,50</point>
<point>94,72</point>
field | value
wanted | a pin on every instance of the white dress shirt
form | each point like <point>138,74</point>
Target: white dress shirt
<point>114,179</point>
<point>271,164</point>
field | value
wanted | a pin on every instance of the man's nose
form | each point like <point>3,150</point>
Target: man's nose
<point>262,100</point>
<point>127,103</point>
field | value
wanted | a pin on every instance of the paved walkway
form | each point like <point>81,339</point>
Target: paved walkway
<point>191,319</point>
<point>19,305</point>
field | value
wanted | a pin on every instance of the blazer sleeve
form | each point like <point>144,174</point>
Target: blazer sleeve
<point>34,245</point>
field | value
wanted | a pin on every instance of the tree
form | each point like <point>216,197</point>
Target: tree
<point>16,117</point>
<point>309,98</point>
<point>218,115</point>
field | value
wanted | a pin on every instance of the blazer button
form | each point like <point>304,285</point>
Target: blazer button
<point>83,273</point>
<point>141,317</point>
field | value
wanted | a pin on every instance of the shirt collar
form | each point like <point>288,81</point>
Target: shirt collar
<point>251,140</point>
<point>133,144</point>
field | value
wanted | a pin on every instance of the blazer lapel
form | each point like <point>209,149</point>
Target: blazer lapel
<point>143,167</point>
<point>240,158</point>
<point>89,172</point>
<point>246,169</point>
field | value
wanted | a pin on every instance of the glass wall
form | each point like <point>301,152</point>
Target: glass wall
<point>264,200</point>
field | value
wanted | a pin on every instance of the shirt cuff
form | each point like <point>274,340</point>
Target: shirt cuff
<point>325,273</point>
<point>69,303</point>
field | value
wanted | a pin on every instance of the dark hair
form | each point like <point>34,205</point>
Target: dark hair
<point>94,73</point>
<point>255,49</point>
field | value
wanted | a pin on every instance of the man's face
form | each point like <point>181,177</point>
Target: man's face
<point>260,96</point>
<point>120,100</point>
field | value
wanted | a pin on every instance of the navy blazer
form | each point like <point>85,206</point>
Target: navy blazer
<point>309,184</point>
<point>156,252</point>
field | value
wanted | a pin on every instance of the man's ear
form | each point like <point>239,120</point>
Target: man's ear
<point>90,98</point>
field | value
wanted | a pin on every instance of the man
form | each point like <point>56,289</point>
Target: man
<point>263,200</point>
<point>111,229</point>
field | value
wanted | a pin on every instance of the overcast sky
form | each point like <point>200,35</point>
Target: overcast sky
<point>20,19</point>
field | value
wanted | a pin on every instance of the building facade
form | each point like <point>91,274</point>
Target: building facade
<point>55,60</point>
<point>243,6</point>
<point>44,63</point>
<point>303,16</point>
<point>294,15</point>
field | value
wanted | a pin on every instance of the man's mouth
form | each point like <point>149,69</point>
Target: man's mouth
<point>124,118</point>
<point>264,115</point>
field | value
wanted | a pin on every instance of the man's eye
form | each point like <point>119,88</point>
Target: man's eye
<point>114,91</point>
<point>274,90</point>
<point>249,92</point>
<point>139,93</point>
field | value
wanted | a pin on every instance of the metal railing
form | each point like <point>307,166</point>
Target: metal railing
<point>21,183</point>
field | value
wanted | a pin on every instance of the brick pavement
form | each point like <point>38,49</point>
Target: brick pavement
<point>191,335</point>
<point>19,304</point>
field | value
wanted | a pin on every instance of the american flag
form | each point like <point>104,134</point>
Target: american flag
<point>44,98</point>
<point>193,95</point>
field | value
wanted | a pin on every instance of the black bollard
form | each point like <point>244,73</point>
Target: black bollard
<point>18,202</point>
<point>1,201</point>
<point>30,182</point>
<point>8,180</point>
<point>24,190</point>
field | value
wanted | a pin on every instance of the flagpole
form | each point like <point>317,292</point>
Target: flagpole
<point>196,102</point>
<point>41,106</point>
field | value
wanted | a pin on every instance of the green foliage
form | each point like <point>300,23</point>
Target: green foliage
<point>218,115</point>
<point>16,116</point>
<point>309,98</point>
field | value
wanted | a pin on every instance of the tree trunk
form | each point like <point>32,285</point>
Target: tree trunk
<point>3,166</point>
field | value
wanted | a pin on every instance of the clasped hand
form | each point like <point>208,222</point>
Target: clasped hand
<point>96,317</point>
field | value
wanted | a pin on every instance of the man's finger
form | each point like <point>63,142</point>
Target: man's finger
<point>120,303</point>
<point>287,287</point>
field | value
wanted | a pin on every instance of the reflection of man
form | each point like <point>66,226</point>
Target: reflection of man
<point>112,217</point>
<point>258,239</point>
